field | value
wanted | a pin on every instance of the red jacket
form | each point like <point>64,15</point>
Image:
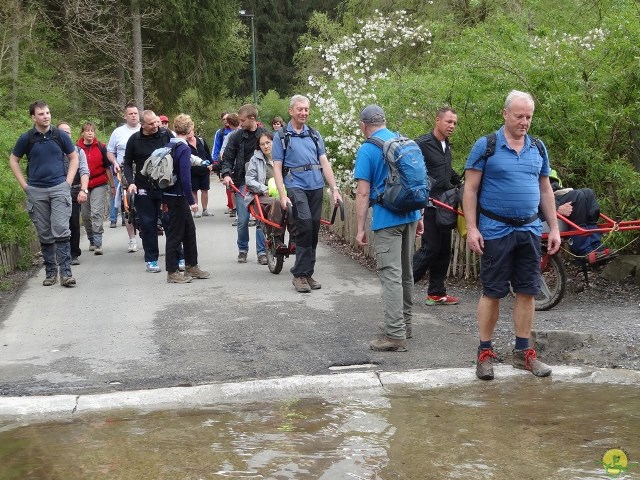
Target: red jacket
<point>97,159</point>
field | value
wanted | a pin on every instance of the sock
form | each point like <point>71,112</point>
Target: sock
<point>522,343</point>
<point>485,345</point>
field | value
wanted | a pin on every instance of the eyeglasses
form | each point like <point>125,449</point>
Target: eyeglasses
<point>264,144</point>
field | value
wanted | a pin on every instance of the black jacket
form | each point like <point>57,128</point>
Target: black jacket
<point>438,163</point>
<point>139,148</point>
<point>239,150</point>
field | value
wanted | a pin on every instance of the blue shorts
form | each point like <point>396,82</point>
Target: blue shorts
<point>511,260</point>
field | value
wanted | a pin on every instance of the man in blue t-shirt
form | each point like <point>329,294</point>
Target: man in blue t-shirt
<point>514,181</point>
<point>48,190</point>
<point>299,167</point>
<point>394,235</point>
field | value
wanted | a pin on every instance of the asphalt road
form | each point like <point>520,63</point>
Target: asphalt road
<point>122,328</point>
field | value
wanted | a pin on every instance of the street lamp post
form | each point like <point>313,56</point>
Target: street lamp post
<point>243,13</point>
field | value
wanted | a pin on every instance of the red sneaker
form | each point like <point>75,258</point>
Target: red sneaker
<point>441,300</point>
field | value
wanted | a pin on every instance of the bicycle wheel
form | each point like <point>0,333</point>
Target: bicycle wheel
<point>553,281</point>
<point>275,261</point>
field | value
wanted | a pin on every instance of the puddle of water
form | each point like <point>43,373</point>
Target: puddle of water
<point>519,429</point>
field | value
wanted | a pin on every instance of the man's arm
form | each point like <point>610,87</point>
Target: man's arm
<point>331,180</point>
<point>548,206</point>
<point>114,162</point>
<point>363,190</point>
<point>14,164</point>
<point>470,204</point>
<point>73,166</point>
<point>229,158</point>
<point>277,175</point>
<point>127,165</point>
<point>83,168</point>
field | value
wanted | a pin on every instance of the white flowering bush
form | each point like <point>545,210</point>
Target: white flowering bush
<point>353,68</point>
<point>555,44</point>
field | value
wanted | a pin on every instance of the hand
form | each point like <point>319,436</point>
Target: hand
<point>227,181</point>
<point>132,188</point>
<point>565,209</point>
<point>361,238</point>
<point>553,241</point>
<point>336,195</point>
<point>82,197</point>
<point>285,202</point>
<point>116,167</point>
<point>420,227</point>
<point>475,241</point>
<point>194,207</point>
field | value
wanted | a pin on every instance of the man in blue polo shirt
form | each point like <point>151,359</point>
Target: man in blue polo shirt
<point>48,190</point>
<point>394,235</point>
<point>299,167</point>
<point>512,183</point>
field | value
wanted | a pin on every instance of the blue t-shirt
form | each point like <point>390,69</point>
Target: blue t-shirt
<point>46,159</point>
<point>301,151</point>
<point>510,184</point>
<point>371,167</point>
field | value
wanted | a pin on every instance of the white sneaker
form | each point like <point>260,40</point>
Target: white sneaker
<point>133,246</point>
<point>197,214</point>
<point>205,213</point>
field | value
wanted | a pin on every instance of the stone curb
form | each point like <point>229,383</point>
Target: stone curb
<point>61,407</point>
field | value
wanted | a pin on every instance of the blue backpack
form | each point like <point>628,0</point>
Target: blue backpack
<point>405,188</point>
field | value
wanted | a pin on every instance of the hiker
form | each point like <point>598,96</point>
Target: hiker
<point>100,182</point>
<point>434,253</point>
<point>179,202</point>
<point>148,199</point>
<point>200,174</point>
<point>48,190</point>
<point>276,123</point>
<point>115,153</point>
<point>299,166</point>
<point>79,196</point>
<point>239,149</point>
<point>506,189</point>
<point>393,234</point>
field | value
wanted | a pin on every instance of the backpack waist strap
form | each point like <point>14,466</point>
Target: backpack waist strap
<point>514,222</point>
<point>305,168</point>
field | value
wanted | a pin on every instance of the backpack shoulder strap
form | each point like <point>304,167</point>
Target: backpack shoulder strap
<point>538,143</point>
<point>377,141</point>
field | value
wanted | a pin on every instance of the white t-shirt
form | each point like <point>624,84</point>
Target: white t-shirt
<point>118,141</point>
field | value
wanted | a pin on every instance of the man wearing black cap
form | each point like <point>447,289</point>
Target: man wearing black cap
<point>393,235</point>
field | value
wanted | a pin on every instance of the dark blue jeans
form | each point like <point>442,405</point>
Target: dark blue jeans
<point>180,232</point>
<point>148,210</point>
<point>307,209</point>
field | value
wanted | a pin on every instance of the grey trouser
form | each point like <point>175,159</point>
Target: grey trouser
<point>394,248</point>
<point>93,214</point>
<point>50,210</point>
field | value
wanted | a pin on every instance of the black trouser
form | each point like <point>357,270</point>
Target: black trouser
<point>180,231</point>
<point>74,226</point>
<point>433,255</point>
<point>307,210</point>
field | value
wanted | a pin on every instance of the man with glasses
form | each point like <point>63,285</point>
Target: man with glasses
<point>239,150</point>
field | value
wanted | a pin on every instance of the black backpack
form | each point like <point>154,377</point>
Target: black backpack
<point>488,153</point>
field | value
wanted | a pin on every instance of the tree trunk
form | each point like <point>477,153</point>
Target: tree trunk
<point>15,65</point>
<point>136,32</point>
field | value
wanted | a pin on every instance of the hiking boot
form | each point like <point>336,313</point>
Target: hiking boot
<point>205,213</point>
<point>432,300</point>
<point>252,223</point>
<point>313,284</point>
<point>232,213</point>
<point>177,277</point>
<point>195,272</point>
<point>67,281</point>
<point>47,282</point>
<point>75,261</point>
<point>242,257</point>
<point>181,265</point>
<point>235,223</point>
<point>262,259</point>
<point>92,247</point>
<point>484,367</point>
<point>301,285</point>
<point>124,222</point>
<point>152,267</point>
<point>112,224</point>
<point>528,360</point>
<point>388,344</point>
<point>408,331</point>
<point>98,250</point>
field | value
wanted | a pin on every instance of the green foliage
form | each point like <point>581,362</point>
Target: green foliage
<point>272,105</point>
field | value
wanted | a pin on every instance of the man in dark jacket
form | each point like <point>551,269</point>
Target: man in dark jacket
<point>148,199</point>
<point>240,148</point>
<point>435,251</point>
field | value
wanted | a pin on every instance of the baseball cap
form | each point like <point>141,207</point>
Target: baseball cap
<point>164,118</point>
<point>372,114</point>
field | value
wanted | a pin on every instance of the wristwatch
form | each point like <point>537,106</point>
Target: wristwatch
<point>86,190</point>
